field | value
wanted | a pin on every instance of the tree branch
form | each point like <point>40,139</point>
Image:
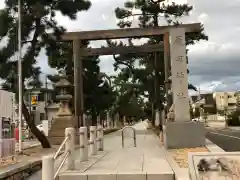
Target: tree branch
<point>121,62</point>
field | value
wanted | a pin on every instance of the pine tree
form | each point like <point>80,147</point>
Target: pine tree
<point>150,12</point>
<point>38,19</point>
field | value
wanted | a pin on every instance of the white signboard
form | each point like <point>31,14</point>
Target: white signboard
<point>179,74</point>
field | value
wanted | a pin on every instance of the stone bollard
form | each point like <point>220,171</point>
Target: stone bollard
<point>69,147</point>
<point>83,144</point>
<point>93,145</point>
<point>100,138</point>
<point>48,168</point>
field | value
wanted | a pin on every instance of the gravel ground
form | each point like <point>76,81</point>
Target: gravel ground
<point>181,155</point>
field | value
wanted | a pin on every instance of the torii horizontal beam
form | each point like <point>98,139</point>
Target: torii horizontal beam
<point>122,50</point>
<point>126,33</point>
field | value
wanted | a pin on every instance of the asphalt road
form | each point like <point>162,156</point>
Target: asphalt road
<point>228,140</point>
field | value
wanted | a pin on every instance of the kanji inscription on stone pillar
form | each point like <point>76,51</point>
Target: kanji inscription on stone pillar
<point>179,74</point>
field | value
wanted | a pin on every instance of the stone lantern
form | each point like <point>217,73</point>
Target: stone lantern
<point>63,97</point>
<point>63,118</point>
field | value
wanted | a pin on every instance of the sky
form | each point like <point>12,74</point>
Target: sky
<point>214,65</point>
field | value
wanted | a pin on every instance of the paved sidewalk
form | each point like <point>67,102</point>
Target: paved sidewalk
<point>147,160</point>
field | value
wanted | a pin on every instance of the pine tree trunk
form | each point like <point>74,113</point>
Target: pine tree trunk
<point>28,57</point>
<point>94,119</point>
<point>37,133</point>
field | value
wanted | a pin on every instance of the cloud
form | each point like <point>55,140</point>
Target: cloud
<point>203,18</point>
<point>2,4</point>
<point>213,65</point>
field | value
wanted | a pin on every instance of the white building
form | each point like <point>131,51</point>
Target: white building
<point>225,101</point>
<point>7,105</point>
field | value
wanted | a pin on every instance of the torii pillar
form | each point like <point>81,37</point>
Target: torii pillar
<point>182,133</point>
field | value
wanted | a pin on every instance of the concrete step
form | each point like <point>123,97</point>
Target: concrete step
<point>116,176</point>
<point>61,124</point>
<point>56,132</point>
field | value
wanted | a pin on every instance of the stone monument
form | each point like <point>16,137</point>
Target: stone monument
<point>181,132</point>
<point>63,118</point>
<point>214,166</point>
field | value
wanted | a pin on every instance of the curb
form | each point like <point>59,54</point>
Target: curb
<point>32,146</point>
<point>233,128</point>
<point>23,167</point>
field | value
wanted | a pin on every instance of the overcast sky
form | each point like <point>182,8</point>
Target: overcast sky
<point>214,65</point>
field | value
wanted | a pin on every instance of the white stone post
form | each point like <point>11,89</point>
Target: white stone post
<point>157,118</point>
<point>98,120</point>
<point>124,121</point>
<point>45,125</point>
<point>109,121</point>
<point>179,74</point>
<point>83,144</point>
<point>115,121</point>
<point>48,168</point>
<point>69,147</point>
<point>93,144</point>
<point>100,138</point>
<point>163,117</point>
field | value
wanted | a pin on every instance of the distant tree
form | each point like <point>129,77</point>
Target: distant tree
<point>38,18</point>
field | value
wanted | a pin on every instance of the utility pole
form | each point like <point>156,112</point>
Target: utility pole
<point>20,79</point>
<point>46,98</point>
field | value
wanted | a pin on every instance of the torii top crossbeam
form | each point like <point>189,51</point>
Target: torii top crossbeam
<point>126,33</point>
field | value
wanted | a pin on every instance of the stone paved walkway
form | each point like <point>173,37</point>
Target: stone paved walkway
<point>146,161</point>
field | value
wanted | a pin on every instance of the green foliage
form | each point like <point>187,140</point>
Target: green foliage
<point>192,87</point>
<point>233,119</point>
<point>38,19</point>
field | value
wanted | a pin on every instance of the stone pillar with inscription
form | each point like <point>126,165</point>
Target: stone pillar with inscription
<point>182,132</point>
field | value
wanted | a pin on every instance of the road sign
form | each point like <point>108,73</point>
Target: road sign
<point>34,100</point>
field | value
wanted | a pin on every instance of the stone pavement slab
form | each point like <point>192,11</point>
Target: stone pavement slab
<point>146,161</point>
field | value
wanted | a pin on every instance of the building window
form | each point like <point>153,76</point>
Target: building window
<point>34,108</point>
<point>42,116</point>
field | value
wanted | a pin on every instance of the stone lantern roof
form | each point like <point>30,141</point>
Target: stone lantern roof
<point>63,97</point>
<point>63,83</point>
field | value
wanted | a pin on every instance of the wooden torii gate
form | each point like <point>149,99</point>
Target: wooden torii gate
<point>79,53</point>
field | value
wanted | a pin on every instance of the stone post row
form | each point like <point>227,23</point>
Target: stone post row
<point>83,143</point>
<point>96,144</point>
<point>70,147</point>
<point>100,138</point>
<point>48,172</point>
<point>92,142</point>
